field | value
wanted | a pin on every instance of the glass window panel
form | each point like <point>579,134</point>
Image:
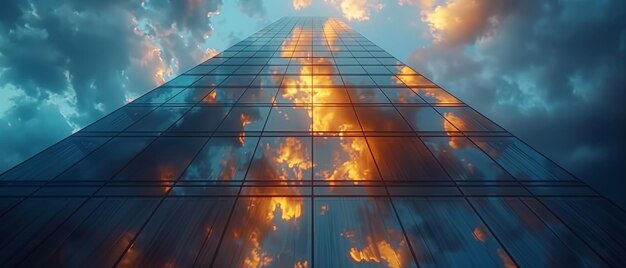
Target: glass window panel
<point>222,158</point>
<point>201,119</point>
<point>210,80</point>
<point>327,80</point>
<point>160,119</point>
<point>119,120</point>
<point>191,95</point>
<point>54,160</point>
<point>238,80</point>
<point>267,81</point>
<point>389,61</point>
<point>519,160</point>
<point>258,96</point>
<point>296,69</point>
<point>367,95</point>
<point>164,160</point>
<point>447,233</point>
<point>198,225</point>
<point>358,80</point>
<point>224,70</point>
<point>249,70</point>
<point>333,118</point>
<point>463,160</point>
<point>30,223</point>
<point>351,70</point>
<point>102,164</point>
<point>466,119</point>
<point>330,95</point>
<point>402,95</point>
<point>346,61</point>
<point>598,222</point>
<point>528,239</point>
<point>201,69</point>
<point>222,96</point>
<point>354,232</point>
<point>273,70</point>
<point>324,69</point>
<point>280,236</point>
<point>289,119</point>
<point>426,119</point>
<point>294,92</point>
<point>279,61</point>
<point>97,233</point>
<point>183,80</point>
<point>386,80</point>
<point>367,61</point>
<point>282,159</point>
<point>405,158</point>
<point>376,70</point>
<point>435,95</point>
<point>343,159</point>
<point>159,95</point>
<point>245,119</point>
<point>381,119</point>
<point>414,80</point>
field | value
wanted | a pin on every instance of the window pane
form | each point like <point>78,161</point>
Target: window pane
<point>102,164</point>
<point>289,119</point>
<point>159,95</point>
<point>358,231</point>
<point>425,119</point>
<point>447,233</point>
<point>222,158</point>
<point>54,160</point>
<point>466,119</point>
<point>120,119</point>
<point>405,158</point>
<point>164,160</point>
<point>282,158</point>
<point>463,160</point>
<point>519,160</point>
<point>245,119</point>
<point>343,158</point>
<point>274,231</point>
<point>200,119</point>
<point>381,119</point>
<point>160,119</point>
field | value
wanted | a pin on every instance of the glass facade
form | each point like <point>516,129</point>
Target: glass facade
<point>303,145</point>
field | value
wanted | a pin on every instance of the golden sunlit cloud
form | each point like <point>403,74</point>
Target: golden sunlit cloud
<point>300,4</point>
<point>358,10</point>
<point>458,21</point>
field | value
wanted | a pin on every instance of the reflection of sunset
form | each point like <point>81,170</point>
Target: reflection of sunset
<point>289,207</point>
<point>377,252</point>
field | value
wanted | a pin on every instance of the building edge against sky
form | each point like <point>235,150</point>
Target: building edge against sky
<point>339,154</point>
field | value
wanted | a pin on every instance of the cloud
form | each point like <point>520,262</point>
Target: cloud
<point>72,62</point>
<point>459,21</point>
<point>358,10</point>
<point>252,8</point>
<point>300,4</point>
<point>533,68</point>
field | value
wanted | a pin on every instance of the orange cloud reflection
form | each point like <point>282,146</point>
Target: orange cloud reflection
<point>377,252</point>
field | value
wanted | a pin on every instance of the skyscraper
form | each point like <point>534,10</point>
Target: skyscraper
<point>303,145</point>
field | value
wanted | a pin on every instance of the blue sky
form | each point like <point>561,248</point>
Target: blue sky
<point>551,72</point>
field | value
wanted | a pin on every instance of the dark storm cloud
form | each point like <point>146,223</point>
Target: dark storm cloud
<point>67,63</point>
<point>553,74</point>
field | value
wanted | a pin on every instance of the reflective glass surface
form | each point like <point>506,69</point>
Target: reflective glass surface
<point>302,145</point>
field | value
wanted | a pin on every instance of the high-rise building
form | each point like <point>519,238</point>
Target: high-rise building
<point>303,145</point>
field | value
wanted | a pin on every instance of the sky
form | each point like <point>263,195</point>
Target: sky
<point>551,72</point>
